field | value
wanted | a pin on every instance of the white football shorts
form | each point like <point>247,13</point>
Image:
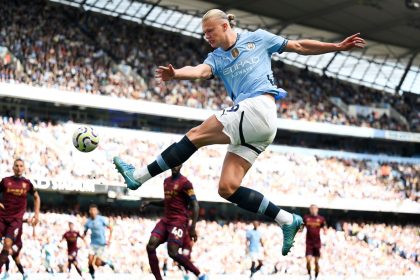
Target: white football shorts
<point>250,125</point>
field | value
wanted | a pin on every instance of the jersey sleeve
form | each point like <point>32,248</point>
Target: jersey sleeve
<point>273,43</point>
<point>211,61</point>
<point>31,188</point>
<point>105,221</point>
<point>189,190</point>
<point>87,226</point>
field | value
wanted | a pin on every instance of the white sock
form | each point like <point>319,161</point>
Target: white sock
<point>284,217</point>
<point>142,175</point>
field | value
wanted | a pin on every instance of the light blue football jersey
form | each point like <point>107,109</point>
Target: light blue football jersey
<point>245,68</point>
<point>97,228</point>
<point>254,238</point>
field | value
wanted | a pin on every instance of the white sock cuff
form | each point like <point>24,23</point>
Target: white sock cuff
<point>284,217</point>
<point>142,175</point>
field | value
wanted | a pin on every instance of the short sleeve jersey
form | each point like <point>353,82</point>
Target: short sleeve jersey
<point>178,193</point>
<point>97,227</point>
<point>15,191</point>
<point>245,68</point>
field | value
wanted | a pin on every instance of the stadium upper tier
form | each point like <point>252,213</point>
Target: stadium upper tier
<point>350,249</point>
<point>61,47</point>
<point>293,177</point>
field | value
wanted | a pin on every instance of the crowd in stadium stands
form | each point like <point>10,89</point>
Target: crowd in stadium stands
<point>92,53</point>
<point>48,151</point>
<point>349,249</point>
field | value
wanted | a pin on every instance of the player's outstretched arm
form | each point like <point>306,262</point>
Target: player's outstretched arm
<point>167,73</point>
<point>157,203</point>
<point>313,47</point>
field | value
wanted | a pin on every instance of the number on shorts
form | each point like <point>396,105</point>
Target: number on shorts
<point>233,108</point>
<point>177,232</point>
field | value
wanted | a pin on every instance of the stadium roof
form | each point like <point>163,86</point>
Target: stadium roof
<point>386,21</point>
<point>391,61</point>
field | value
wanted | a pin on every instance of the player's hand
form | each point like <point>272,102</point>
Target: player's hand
<point>163,73</point>
<point>353,41</point>
<point>144,205</point>
<point>34,220</point>
<point>193,234</point>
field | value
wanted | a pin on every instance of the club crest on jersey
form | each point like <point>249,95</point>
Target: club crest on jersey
<point>24,185</point>
<point>176,186</point>
<point>234,52</point>
<point>250,46</point>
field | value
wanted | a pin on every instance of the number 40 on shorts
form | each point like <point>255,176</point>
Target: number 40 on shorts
<point>177,232</point>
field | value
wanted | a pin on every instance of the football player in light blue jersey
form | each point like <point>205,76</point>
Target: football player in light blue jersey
<point>243,62</point>
<point>97,225</point>
<point>254,242</point>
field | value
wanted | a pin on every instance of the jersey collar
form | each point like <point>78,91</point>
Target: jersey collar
<point>236,41</point>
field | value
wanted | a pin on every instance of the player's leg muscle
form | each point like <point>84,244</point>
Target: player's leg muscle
<point>208,133</point>
<point>173,249</point>
<point>153,243</point>
<point>233,171</point>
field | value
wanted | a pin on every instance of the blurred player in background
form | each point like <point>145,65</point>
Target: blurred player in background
<point>243,62</point>
<point>254,246</point>
<point>97,225</point>
<point>48,250</point>
<point>15,190</point>
<point>313,223</point>
<point>179,194</point>
<point>71,237</point>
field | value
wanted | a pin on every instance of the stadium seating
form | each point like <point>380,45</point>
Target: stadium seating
<point>97,54</point>
<point>221,248</point>
<point>48,151</point>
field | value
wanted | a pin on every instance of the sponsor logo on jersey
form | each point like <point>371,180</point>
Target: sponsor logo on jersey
<point>241,67</point>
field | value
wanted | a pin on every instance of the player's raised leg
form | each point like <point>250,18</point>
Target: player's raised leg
<point>208,133</point>
<point>173,252</point>
<point>233,171</point>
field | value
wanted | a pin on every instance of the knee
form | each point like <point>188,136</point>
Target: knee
<point>227,188</point>
<point>98,262</point>
<point>172,252</point>
<point>150,247</point>
<point>193,134</point>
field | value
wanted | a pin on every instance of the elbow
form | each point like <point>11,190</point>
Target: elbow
<point>299,49</point>
<point>204,76</point>
<point>302,51</point>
